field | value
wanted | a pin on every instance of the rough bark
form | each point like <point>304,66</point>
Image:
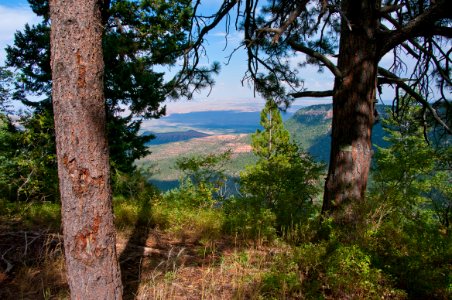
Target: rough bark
<point>353,97</point>
<point>82,150</point>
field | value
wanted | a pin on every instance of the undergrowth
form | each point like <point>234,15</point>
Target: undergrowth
<point>234,250</point>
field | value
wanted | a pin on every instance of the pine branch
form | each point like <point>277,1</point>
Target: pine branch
<point>423,24</point>
<point>292,17</point>
<point>328,63</point>
<point>390,77</point>
<point>391,8</point>
<point>314,94</point>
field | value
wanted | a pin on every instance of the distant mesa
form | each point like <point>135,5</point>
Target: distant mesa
<point>171,137</point>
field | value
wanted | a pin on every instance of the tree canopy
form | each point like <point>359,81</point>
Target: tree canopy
<point>138,36</point>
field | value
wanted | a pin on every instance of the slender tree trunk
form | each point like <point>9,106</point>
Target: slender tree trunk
<point>82,150</point>
<point>353,106</point>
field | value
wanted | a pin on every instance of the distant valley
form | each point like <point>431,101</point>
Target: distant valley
<point>210,122</point>
<point>171,137</point>
<point>217,131</point>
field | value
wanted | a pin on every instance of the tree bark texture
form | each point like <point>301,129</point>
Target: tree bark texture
<point>82,150</point>
<point>353,107</point>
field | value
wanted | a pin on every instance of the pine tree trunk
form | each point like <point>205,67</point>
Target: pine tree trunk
<point>353,107</point>
<point>83,164</point>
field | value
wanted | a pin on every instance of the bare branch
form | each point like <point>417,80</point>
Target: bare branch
<point>293,16</point>
<point>442,31</point>
<point>222,12</point>
<point>9,266</point>
<point>314,94</point>
<point>328,63</point>
<point>391,8</point>
<point>420,25</point>
<point>391,77</point>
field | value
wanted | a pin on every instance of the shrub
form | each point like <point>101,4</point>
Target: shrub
<point>187,222</point>
<point>327,270</point>
<point>248,220</point>
<point>416,254</point>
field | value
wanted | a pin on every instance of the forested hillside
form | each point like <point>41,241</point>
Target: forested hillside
<point>311,127</point>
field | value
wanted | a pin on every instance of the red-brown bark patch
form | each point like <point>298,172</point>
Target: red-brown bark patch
<point>82,71</point>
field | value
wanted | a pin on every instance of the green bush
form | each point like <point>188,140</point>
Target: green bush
<point>409,210</point>
<point>248,220</point>
<point>192,195</point>
<point>47,214</point>
<point>327,270</point>
<point>187,222</point>
<point>416,254</point>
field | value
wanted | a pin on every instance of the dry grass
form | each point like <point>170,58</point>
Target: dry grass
<point>230,274</point>
<point>170,266</point>
<point>164,266</point>
<point>37,266</point>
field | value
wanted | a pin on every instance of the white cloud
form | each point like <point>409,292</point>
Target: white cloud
<point>11,20</point>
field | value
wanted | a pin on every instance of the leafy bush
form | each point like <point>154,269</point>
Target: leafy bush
<point>409,210</point>
<point>132,185</point>
<point>28,168</point>
<point>204,180</point>
<point>190,195</point>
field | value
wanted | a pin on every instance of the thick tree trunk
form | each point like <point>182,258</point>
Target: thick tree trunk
<point>83,166</point>
<point>353,102</point>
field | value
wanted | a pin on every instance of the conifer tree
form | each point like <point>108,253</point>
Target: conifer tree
<point>138,36</point>
<point>284,179</point>
<point>274,138</point>
<point>410,175</point>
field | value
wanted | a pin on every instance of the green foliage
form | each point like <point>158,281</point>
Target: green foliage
<point>28,169</point>
<point>6,80</point>
<point>203,181</point>
<point>408,219</point>
<point>349,273</point>
<point>191,195</point>
<point>274,139</point>
<point>402,248</point>
<point>7,152</point>
<point>133,196</point>
<point>326,270</point>
<point>132,185</point>
<point>285,179</point>
<point>205,169</point>
<point>32,214</point>
<point>187,222</point>
<point>411,175</point>
<point>139,35</point>
<point>247,219</point>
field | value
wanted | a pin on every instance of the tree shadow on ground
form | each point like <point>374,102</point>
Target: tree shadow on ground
<point>131,257</point>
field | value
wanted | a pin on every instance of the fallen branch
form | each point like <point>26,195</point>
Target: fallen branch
<point>9,266</point>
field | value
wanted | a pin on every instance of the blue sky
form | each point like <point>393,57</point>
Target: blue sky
<point>228,92</point>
